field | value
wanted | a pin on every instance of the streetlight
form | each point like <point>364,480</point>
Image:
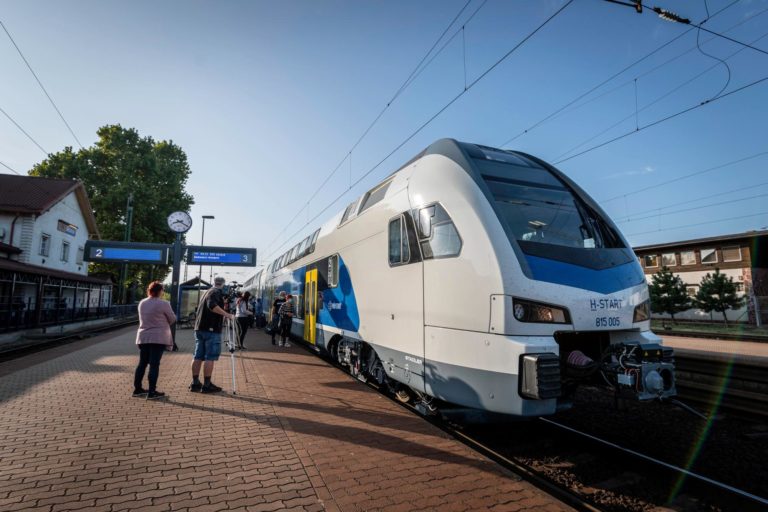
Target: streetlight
<point>200,272</point>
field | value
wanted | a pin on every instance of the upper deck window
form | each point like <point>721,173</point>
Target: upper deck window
<point>375,195</point>
<point>348,212</point>
<point>538,207</point>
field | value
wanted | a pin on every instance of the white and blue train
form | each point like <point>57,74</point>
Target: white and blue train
<point>476,277</point>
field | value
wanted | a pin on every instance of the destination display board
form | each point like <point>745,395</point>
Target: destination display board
<point>224,256</point>
<point>125,252</point>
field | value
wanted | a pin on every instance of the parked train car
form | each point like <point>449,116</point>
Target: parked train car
<point>478,277</point>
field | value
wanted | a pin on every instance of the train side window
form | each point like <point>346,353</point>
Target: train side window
<point>399,250</point>
<point>333,271</point>
<point>348,212</point>
<point>314,241</point>
<point>375,195</point>
<point>438,236</point>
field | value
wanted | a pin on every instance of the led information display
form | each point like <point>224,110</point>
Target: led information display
<point>224,256</point>
<point>122,252</point>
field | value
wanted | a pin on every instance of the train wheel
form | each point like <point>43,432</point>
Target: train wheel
<point>402,394</point>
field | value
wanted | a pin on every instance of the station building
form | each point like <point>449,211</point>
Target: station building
<point>44,224</point>
<point>742,256</point>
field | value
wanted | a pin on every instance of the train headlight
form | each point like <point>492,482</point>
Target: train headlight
<point>642,312</point>
<point>528,311</point>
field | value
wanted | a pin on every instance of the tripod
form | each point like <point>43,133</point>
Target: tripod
<point>230,336</point>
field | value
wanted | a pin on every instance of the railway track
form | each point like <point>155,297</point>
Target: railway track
<point>47,343</point>
<point>735,385</point>
<point>621,492</point>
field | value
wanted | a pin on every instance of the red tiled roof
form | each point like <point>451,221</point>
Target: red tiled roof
<point>29,194</point>
<point>16,266</point>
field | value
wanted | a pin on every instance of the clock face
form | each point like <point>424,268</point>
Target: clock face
<point>179,222</point>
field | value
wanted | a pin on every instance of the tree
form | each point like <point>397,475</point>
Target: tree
<point>717,292</point>
<point>668,293</point>
<point>122,163</point>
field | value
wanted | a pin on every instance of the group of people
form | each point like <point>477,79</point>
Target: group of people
<point>154,335</point>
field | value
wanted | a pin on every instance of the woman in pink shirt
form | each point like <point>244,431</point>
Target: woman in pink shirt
<point>153,338</point>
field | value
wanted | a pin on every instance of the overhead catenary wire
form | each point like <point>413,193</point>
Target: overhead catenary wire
<point>646,73</point>
<point>10,168</point>
<point>673,212</point>
<point>607,80</point>
<point>53,103</point>
<point>560,157</point>
<point>428,121</point>
<point>699,224</point>
<point>17,125</point>
<point>408,81</point>
<point>686,176</point>
<point>633,215</point>
<point>665,119</point>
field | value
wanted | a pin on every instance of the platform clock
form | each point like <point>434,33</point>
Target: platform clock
<point>179,222</point>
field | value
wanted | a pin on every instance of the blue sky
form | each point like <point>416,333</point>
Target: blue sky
<point>267,98</point>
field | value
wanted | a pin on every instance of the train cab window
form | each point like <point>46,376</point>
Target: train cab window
<point>375,195</point>
<point>537,207</point>
<point>333,271</point>
<point>399,250</point>
<point>438,236</point>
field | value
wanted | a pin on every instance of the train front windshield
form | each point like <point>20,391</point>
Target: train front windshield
<point>538,207</point>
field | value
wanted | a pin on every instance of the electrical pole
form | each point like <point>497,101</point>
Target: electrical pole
<point>200,270</point>
<point>126,238</point>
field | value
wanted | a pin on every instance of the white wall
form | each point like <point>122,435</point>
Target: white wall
<point>67,210</point>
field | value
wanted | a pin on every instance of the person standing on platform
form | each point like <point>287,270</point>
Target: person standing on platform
<point>286,319</point>
<point>153,338</point>
<point>208,324</point>
<point>244,315</point>
<point>276,314</point>
<point>258,310</point>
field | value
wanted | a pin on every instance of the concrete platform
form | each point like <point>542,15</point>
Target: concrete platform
<point>749,350</point>
<point>299,435</point>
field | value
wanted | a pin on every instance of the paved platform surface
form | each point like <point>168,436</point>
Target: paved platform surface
<point>299,435</point>
<point>741,349</point>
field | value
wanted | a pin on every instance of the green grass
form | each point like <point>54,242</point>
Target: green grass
<point>683,327</point>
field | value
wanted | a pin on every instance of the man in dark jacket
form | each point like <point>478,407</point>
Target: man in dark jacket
<point>276,314</point>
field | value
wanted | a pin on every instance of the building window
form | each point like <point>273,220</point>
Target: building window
<point>651,260</point>
<point>64,251</point>
<point>668,259</point>
<point>687,258</point>
<point>708,256</point>
<point>45,245</point>
<point>691,290</point>
<point>80,254</point>
<point>739,287</point>
<point>732,253</point>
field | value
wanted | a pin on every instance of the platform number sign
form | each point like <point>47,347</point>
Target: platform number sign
<point>125,252</point>
<point>221,256</point>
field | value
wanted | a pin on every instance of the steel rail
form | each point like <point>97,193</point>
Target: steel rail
<point>720,485</point>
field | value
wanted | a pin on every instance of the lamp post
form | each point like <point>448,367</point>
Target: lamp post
<point>200,271</point>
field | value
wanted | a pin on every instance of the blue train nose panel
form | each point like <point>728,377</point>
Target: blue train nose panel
<point>604,281</point>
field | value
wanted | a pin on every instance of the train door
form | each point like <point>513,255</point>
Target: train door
<point>310,306</point>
